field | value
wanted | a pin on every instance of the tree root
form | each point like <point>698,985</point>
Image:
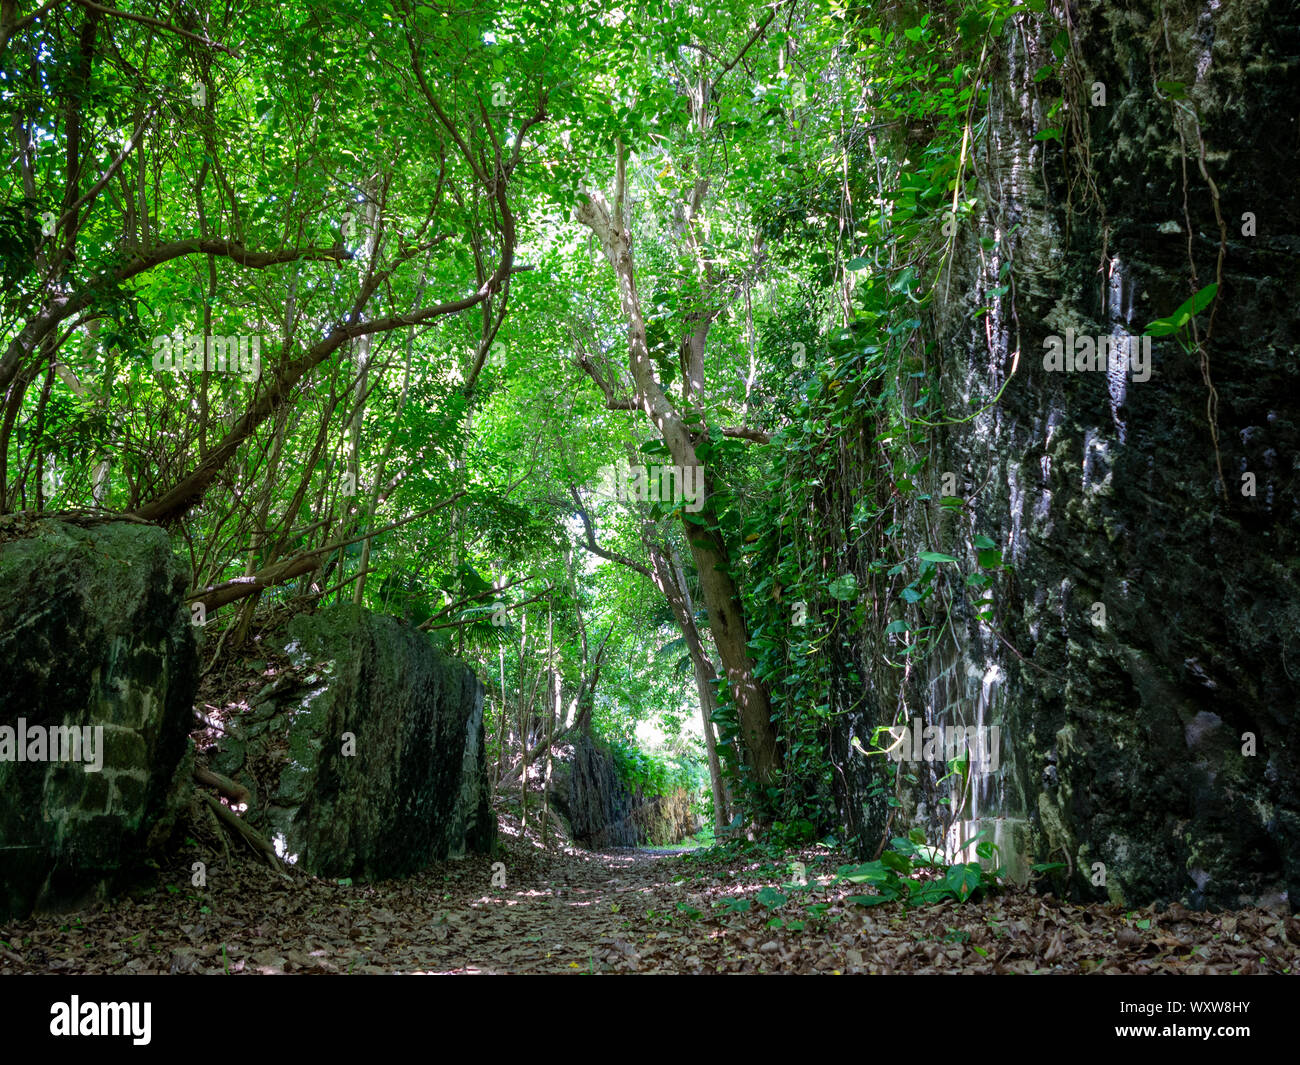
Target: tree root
<point>245,832</point>
<point>218,834</point>
<point>230,789</point>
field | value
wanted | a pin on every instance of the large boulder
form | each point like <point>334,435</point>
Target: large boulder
<point>94,638</point>
<point>368,760</point>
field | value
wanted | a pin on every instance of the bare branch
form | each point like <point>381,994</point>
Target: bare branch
<point>758,436</point>
<point>145,20</point>
<point>294,566</point>
<point>605,384</point>
<point>595,548</point>
<point>62,308</point>
<point>9,26</point>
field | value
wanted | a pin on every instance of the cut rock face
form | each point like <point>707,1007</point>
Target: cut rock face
<point>602,811</point>
<point>372,766</point>
<point>98,677</point>
<point>1140,654</point>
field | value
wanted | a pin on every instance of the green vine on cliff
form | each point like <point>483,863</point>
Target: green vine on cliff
<point>1176,94</point>
<point>828,592</point>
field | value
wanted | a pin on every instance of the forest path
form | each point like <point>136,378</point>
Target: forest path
<point>577,912</point>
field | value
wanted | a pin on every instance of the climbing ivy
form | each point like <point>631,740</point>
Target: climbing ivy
<point>834,579</point>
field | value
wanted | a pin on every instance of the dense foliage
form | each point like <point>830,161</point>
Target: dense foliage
<point>364,301</point>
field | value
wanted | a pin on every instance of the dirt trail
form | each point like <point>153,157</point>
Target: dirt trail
<point>557,912</point>
<point>573,911</point>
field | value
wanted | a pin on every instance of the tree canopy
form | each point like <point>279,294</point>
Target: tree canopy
<point>586,338</point>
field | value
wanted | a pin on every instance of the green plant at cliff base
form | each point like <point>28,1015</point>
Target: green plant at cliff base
<point>893,874</point>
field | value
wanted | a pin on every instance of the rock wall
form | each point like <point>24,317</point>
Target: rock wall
<point>602,811</point>
<point>1143,659</point>
<point>587,790</point>
<point>368,760</point>
<point>94,638</point>
<point>663,820</point>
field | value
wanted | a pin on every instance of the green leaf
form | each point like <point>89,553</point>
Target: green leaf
<point>1161,327</point>
<point>935,556</point>
<point>871,900</point>
<point>844,587</point>
<point>898,862</point>
<point>963,879</point>
<point>1189,309</point>
<point>866,873</point>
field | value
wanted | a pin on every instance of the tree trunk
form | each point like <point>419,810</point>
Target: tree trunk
<point>550,757</point>
<point>721,596</point>
<point>672,582</point>
<point>501,726</point>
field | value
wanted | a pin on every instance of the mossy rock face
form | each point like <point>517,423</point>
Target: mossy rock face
<point>1146,648</point>
<point>597,802</point>
<point>93,636</point>
<point>378,758</point>
<point>664,820</point>
<point>603,811</point>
